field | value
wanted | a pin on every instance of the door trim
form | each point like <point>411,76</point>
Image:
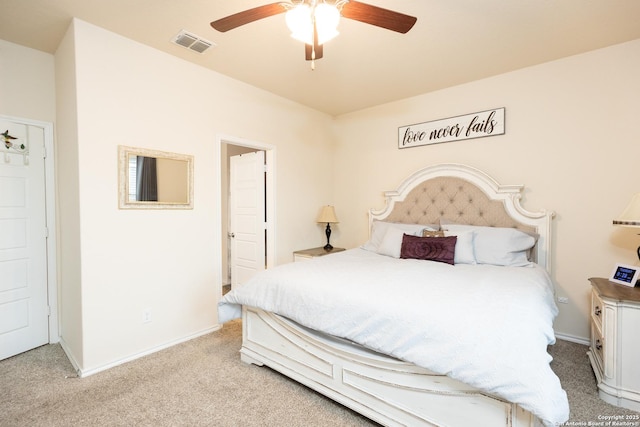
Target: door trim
<point>50,206</point>
<point>270,159</point>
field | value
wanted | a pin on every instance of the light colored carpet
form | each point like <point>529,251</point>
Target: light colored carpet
<point>198,383</point>
<point>203,383</point>
<point>571,365</point>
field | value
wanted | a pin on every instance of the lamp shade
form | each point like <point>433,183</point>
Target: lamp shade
<point>327,215</point>
<point>630,217</point>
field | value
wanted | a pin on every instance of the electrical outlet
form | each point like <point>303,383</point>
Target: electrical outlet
<point>563,300</point>
<point>146,315</point>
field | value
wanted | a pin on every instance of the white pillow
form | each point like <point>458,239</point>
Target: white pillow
<point>464,252</point>
<point>497,245</point>
<point>379,229</point>
<point>391,244</point>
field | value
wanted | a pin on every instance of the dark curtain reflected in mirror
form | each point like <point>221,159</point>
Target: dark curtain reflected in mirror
<point>146,179</point>
<point>152,179</point>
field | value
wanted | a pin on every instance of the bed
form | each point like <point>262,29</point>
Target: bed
<point>432,321</point>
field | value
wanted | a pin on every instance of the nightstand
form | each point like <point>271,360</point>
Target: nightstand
<point>615,344</point>
<point>307,254</point>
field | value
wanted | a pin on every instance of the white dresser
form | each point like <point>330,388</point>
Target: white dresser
<point>615,342</point>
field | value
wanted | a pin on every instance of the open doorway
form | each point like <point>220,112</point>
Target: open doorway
<point>228,148</point>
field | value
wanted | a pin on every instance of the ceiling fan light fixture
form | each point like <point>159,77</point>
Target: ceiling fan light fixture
<point>327,19</point>
<point>300,21</point>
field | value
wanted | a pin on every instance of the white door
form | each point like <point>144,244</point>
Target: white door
<point>23,254</point>
<point>247,216</point>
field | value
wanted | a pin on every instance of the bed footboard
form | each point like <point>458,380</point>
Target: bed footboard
<point>386,390</point>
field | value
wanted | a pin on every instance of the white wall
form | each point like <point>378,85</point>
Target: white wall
<point>571,137</point>
<point>162,260</point>
<point>68,202</point>
<point>27,87</point>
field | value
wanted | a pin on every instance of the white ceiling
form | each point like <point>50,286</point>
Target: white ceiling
<point>453,41</point>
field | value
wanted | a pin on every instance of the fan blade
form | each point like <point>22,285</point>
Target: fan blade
<point>378,16</point>
<point>247,16</point>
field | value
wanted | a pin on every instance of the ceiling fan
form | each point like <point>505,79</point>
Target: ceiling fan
<point>314,22</point>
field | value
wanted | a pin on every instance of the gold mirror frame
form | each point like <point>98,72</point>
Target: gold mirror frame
<point>124,154</point>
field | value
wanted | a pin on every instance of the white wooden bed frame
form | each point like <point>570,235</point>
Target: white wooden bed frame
<point>384,389</point>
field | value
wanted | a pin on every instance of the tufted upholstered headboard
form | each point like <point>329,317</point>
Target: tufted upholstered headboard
<point>464,195</point>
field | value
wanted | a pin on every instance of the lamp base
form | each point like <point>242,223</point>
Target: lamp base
<point>327,231</point>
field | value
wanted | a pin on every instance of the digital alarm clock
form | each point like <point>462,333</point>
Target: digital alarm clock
<point>625,275</point>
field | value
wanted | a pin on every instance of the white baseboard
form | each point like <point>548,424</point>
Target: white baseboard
<point>573,338</point>
<point>70,356</point>
<point>86,372</point>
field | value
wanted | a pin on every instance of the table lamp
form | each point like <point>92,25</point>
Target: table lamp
<point>327,215</point>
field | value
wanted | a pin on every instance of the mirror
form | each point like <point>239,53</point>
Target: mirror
<point>150,179</point>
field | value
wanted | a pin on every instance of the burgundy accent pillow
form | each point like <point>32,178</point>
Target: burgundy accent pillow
<point>441,249</point>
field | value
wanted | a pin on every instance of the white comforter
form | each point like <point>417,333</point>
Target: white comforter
<point>484,325</point>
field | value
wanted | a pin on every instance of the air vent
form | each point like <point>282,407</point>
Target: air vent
<point>192,42</point>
